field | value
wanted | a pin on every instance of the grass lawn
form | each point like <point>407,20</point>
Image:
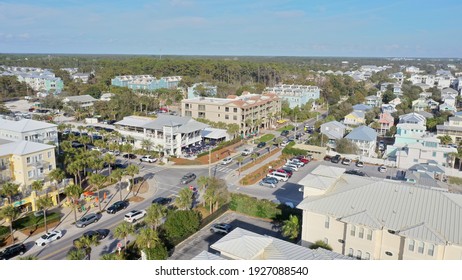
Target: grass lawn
<point>455,180</point>
<point>287,127</point>
<point>30,220</point>
<point>265,138</point>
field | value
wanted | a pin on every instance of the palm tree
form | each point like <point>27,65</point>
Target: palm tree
<point>184,199</point>
<point>98,181</point>
<point>254,156</point>
<point>154,215</point>
<point>239,160</point>
<point>147,144</point>
<point>76,254</point>
<point>112,257</point>
<point>9,189</point>
<point>132,170</point>
<point>291,227</point>
<point>123,230</point>
<point>44,203</point>
<point>202,182</point>
<point>147,239</point>
<point>10,213</point>
<point>233,129</point>
<point>37,186</point>
<point>85,243</point>
<point>110,160</point>
<point>28,258</point>
<point>91,131</point>
<point>74,168</point>
<point>58,176</point>
<point>73,192</point>
<point>278,141</point>
<point>116,176</point>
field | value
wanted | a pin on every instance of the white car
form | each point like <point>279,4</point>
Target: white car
<point>148,158</point>
<point>293,166</point>
<point>49,237</point>
<point>382,169</point>
<point>295,162</point>
<point>246,152</point>
<point>227,160</point>
<point>134,215</point>
<point>115,153</point>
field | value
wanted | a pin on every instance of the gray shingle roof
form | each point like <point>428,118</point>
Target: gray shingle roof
<point>362,133</point>
<point>362,107</point>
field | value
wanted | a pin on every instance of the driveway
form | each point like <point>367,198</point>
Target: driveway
<point>202,239</point>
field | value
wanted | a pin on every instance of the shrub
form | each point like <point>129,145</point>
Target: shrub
<point>181,224</point>
<point>253,207</point>
<point>321,244</point>
<point>290,150</point>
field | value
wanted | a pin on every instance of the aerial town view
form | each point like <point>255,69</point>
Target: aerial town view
<point>225,142</point>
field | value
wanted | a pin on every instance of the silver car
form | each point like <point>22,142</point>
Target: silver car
<point>87,219</point>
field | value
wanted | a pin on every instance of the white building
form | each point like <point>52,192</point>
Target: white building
<point>28,130</point>
<point>365,138</point>
<point>170,133</point>
<point>380,219</point>
<point>296,95</point>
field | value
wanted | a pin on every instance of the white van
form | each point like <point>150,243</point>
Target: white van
<point>279,175</point>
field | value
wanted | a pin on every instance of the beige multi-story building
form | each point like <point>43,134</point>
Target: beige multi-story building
<point>24,162</point>
<point>251,112</point>
<point>380,219</point>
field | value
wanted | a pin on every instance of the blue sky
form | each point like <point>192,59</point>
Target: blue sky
<point>408,28</point>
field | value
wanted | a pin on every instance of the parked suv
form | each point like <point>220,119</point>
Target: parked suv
<point>148,158</point>
<point>12,251</point>
<point>188,178</point>
<point>335,159</point>
<point>221,228</point>
<point>100,234</point>
<point>134,215</point>
<point>87,219</point>
<point>117,206</point>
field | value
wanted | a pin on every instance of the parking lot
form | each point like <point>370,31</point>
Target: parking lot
<point>202,240</point>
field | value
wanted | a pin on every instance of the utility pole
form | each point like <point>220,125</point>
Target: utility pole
<point>210,162</point>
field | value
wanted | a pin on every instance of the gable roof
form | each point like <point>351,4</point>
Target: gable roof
<point>23,147</point>
<point>184,124</point>
<point>362,107</point>
<point>362,133</point>
<point>24,125</point>
<point>397,206</point>
<point>80,98</point>
<point>246,245</point>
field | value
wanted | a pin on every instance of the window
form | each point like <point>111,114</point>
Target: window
<point>434,154</point>
<point>40,157</point>
<point>431,249</point>
<point>201,107</point>
<point>350,252</point>
<point>28,159</point>
<point>369,234</point>
<point>188,113</point>
<point>411,245</point>
<point>49,154</point>
<point>326,222</point>
<point>226,117</point>
<point>421,247</point>
<point>359,254</point>
<point>361,232</point>
<point>226,109</point>
<point>50,167</point>
<point>367,256</point>
<point>353,231</point>
<point>201,115</point>
<point>326,240</point>
<point>235,110</point>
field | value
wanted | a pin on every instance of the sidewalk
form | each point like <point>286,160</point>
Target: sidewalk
<point>67,213</point>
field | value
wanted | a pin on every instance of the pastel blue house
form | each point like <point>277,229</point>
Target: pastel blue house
<point>210,90</point>
<point>296,95</point>
<point>146,82</point>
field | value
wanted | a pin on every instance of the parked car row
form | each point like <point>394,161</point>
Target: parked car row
<point>285,172</point>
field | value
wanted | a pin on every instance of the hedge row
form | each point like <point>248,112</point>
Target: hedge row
<point>260,159</point>
<point>261,172</point>
<point>289,150</point>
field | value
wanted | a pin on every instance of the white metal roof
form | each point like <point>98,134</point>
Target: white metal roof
<point>396,206</point>
<point>24,125</point>
<point>247,245</point>
<point>207,256</point>
<point>23,148</point>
